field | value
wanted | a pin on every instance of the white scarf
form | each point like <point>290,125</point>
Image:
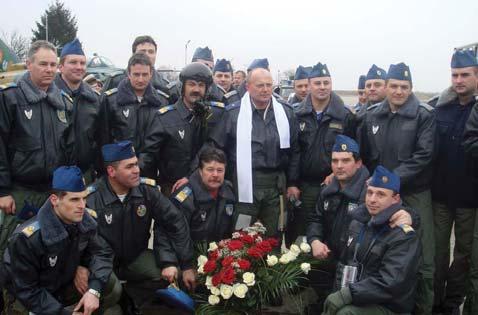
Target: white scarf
<point>244,143</point>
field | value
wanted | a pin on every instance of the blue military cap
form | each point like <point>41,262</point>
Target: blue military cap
<point>259,63</point>
<point>383,178</point>
<point>68,178</point>
<point>463,59</point>
<point>376,73</point>
<point>319,70</point>
<point>118,151</point>
<point>203,53</point>
<point>222,65</point>
<point>72,48</point>
<point>302,73</point>
<point>345,144</point>
<point>400,71</point>
<point>176,298</point>
<point>361,83</point>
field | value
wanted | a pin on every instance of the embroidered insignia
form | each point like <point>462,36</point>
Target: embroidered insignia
<point>405,73</point>
<point>52,260</point>
<point>343,147</point>
<point>384,179</point>
<point>183,194</point>
<point>406,228</point>
<point>126,112</point>
<point>109,218</point>
<point>351,207</point>
<point>326,205</point>
<point>203,216</point>
<point>181,133</point>
<point>90,189</point>
<point>92,212</point>
<point>29,230</point>
<point>302,126</point>
<point>336,126</point>
<point>148,181</point>
<point>229,209</point>
<point>61,116</point>
<point>349,241</point>
<point>375,129</point>
<point>141,211</point>
<point>379,72</point>
<point>28,113</point>
<point>324,71</point>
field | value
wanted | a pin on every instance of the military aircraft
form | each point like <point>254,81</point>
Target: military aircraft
<point>11,68</point>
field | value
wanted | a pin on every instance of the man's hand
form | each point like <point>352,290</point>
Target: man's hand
<point>400,217</point>
<point>319,249</point>
<point>169,273</point>
<point>189,279</point>
<point>180,182</point>
<point>81,279</point>
<point>89,302</point>
<point>328,179</point>
<point>7,204</point>
<point>293,191</point>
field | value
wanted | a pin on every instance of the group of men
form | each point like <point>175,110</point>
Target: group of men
<point>210,154</point>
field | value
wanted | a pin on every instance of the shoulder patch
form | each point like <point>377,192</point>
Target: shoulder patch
<point>165,109</point>
<point>112,91</point>
<point>427,107</point>
<point>229,94</point>
<point>183,194</point>
<point>373,106</point>
<point>217,104</point>
<point>233,105</point>
<point>162,93</point>
<point>432,99</point>
<point>98,93</point>
<point>91,189</point>
<point>68,97</point>
<point>147,181</point>
<point>30,229</point>
<point>171,85</point>
<point>406,228</point>
<point>92,213</point>
<point>7,86</point>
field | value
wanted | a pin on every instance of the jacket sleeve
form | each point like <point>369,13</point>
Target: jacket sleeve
<point>423,155</point>
<point>172,225</point>
<point>6,121</point>
<point>293,168</point>
<point>147,158</point>
<point>350,126</point>
<point>315,222</point>
<point>99,258</point>
<point>25,266</point>
<point>470,141</point>
<point>396,275</point>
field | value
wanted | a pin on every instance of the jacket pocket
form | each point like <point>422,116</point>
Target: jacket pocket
<point>25,154</point>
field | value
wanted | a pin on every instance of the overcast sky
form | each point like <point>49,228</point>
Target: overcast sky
<point>349,36</point>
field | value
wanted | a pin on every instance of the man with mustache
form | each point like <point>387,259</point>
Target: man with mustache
<point>34,115</point>
<point>454,191</point>
<point>127,112</point>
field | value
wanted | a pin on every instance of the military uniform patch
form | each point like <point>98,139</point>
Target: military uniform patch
<point>112,91</point>
<point>126,113</point>
<point>183,194</point>
<point>217,104</point>
<point>406,228</point>
<point>203,216</point>
<point>351,207</point>
<point>61,116</point>
<point>229,94</point>
<point>326,205</point>
<point>28,113</point>
<point>148,181</point>
<point>90,189</point>
<point>109,218</point>
<point>229,209</point>
<point>162,93</point>
<point>92,213</point>
<point>67,96</point>
<point>141,211</point>
<point>52,260</point>
<point>165,109</point>
<point>302,126</point>
<point>375,129</point>
<point>30,229</point>
<point>336,126</point>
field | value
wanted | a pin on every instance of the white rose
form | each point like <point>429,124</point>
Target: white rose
<point>215,290</point>
<point>202,260</point>
<point>213,299</point>
<point>201,270</point>
<point>212,247</point>
<point>305,268</point>
<point>249,278</point>
<point>295,249</point>
<point>208,282</point>
<point>292,256</point>
<point>226,291</point>
<point>284,259</point>
<point>272,260</point>
<point>236,235</point>
<point>305,248</point>
<point>240,290</point>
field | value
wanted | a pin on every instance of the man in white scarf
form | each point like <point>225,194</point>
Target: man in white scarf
<point>259,135</point>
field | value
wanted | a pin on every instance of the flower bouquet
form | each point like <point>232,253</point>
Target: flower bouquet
<point>247,272</point>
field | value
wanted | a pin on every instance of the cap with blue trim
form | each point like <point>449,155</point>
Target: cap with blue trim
<point>222,65</point>
<point>319,70</point>
<point>203,53</point>
<point>345,144</point>
<point>118,151</point>
<point>376,73</point>
<point>259,63</point>
<point>68,178</point>
<point>383,178</point>
<point>361,82</point>
<point>463,59</point>
<point>301,73</point>
<point>400,71</point>
<point>72,48</point>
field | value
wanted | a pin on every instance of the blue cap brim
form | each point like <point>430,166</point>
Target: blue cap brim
<point>176,298</point>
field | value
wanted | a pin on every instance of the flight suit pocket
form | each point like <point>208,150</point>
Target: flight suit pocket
<point>24,154</point>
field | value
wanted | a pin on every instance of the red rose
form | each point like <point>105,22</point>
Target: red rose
<point>255,252</point>
<point>244,264</point>
<point>228,275</point>
<point>264,246</point>
<point>273,241</point>
<point>226,262</point>
<point>235,245</point>
<point>210,266</point>
<point>214,254</point>
<point>247,239</point>
<point>216,279</point>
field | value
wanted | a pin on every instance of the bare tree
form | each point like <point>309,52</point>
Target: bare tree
<point>18,43</point>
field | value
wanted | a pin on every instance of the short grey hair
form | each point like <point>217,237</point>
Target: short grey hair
<point>35,46</point>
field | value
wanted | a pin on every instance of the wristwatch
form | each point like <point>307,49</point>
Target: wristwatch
<point>95,293</point>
